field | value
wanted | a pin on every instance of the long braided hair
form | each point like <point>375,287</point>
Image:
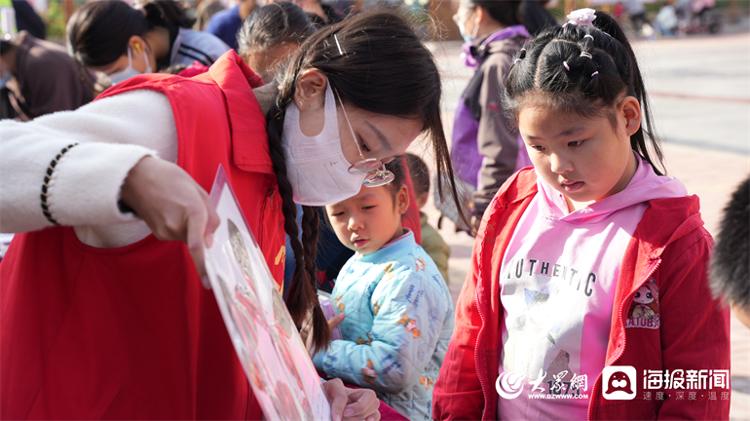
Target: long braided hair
<point>377,63</point>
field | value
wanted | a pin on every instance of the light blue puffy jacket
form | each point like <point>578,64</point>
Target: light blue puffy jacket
<point>399,319</point>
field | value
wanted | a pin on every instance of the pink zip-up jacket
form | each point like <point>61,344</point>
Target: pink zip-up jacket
<point>670,246</point>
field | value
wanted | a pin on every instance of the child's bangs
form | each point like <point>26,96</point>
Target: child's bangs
<point>568,103</point>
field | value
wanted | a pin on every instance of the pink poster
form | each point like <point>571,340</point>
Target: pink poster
<point>265,338</point>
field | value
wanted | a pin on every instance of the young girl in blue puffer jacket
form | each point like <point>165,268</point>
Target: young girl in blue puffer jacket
<point>397,310</point>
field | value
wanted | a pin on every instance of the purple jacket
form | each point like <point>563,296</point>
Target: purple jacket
<point>485,143</point>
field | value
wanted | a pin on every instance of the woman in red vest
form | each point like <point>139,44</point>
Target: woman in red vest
<point>102,318</point>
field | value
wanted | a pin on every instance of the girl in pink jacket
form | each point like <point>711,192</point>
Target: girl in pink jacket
<point>588,295</point>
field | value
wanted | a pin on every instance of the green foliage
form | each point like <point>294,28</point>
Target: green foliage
<point>55,20</point>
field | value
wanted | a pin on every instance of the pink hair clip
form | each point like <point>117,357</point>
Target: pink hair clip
<point>582,17</point>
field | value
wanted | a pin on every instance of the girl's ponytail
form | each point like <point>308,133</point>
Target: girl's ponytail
<point>608,25</point>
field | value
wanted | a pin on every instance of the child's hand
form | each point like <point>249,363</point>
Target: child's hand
<point>351,404</point>
<point>335,321</point>
<point>362,404</point>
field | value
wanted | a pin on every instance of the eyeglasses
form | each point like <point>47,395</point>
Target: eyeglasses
<point>377,174</point>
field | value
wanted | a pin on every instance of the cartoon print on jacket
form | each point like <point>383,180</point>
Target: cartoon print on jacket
<point>340,306</point>
<point>427,382</point>
<point>369,373</point>
<point>410,325</point>
<point>644,312</point>
<point>642,298</point>
<point>420,265</point>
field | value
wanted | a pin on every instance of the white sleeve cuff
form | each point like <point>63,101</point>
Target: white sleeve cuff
<point>85,185</point>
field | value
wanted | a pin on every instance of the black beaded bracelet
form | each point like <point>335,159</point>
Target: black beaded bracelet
<point>48,178</point>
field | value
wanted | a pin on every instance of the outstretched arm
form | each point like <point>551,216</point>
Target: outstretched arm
<point>73,168</point>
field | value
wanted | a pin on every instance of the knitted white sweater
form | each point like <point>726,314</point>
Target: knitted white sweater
<point>113,135</point>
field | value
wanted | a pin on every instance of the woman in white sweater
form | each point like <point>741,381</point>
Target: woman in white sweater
<point>341,108</point>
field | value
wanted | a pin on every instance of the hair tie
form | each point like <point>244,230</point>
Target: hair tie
<point>588,36</point>
<point>516,60</point>
<point>522,53</point>
<point>586,54</point>
<point>596,73</point>
<point>565,65</point>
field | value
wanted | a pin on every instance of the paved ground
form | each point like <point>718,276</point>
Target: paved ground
<point>701,102</point>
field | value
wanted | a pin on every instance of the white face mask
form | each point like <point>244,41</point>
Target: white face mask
<point>315,165</point>
<point>129,71</point>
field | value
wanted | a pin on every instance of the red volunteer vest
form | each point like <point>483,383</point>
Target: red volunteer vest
<point>129,332</point>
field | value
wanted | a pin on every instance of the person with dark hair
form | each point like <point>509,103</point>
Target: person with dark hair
<point>637,13</point>
<point>29,89</point>
<point>28,20</point>
<point>122,41</point>
<point>267,39</point>
<point>320,14</point>
<point>272,34</point>
<point>730,262</point>
<point>535,16</point>
<point>227,23</point>
<point>432,241</point>
<point>332,254</point>
<point>392,306</point>
<point>486,148</point>
<point>134,332</point>
<point>205,11</point>
<point>589,261</point>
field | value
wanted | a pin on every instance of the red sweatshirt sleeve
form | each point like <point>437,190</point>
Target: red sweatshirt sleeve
<point>694,326</point>
<point>457,393</point>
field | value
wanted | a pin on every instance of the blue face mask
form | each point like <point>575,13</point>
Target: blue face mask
<point>129,71</point>
<point>460,19</point>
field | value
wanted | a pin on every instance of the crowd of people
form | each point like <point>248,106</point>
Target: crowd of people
<point>673,17</point>
<point>586,254</point>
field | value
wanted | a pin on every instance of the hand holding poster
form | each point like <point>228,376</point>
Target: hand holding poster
<point>265,338</point>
